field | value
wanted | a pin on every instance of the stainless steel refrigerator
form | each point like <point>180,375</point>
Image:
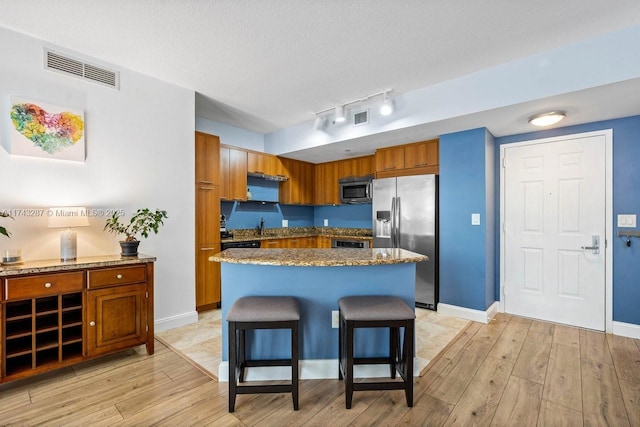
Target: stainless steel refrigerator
<point>405,215</point>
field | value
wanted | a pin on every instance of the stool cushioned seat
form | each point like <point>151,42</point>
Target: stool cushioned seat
<point>376,311</point>
<point>375,307</point>
<point>264,309</point>
<point>261,312</point>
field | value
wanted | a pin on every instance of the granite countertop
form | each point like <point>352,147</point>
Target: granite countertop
<point>243,235</point>
<point>54,265</point>
<point>318,257</point>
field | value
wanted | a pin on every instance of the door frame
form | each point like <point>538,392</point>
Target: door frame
<point>608,136</point>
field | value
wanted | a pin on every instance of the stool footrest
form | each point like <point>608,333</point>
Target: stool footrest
<point>379,385</point>
<point>274,362</point>
<point>251,389</point>
<point>373,361</point>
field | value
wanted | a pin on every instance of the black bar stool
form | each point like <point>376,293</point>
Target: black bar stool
<point>377,311</point>
<point>261,313</point>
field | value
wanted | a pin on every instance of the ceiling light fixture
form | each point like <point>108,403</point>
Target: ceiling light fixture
<point>387,106</point>
<point>547,119</point>
<point>339,110</point>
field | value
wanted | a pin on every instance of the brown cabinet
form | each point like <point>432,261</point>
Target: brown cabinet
<point>263,163</point>
<point>207,222</point>
<point>208,294</point>
<point>323,242</point>
<point>207,154</point>
<point>389,159</point>
<point>421,154</point>
<point>326,190</point>
<point>358,166</point>
<point>299,188</point>
<point>233,173</point>
<point>116,318</point>
<point>58,318</point>
<point>410,159</point>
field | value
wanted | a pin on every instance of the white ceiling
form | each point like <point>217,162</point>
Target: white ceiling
<point>267,65</point>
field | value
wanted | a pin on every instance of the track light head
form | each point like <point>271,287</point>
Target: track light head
<point>339,114</point>
<point>387,106</point>
<point>318,123</point>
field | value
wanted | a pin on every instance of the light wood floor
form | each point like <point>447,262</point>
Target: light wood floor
<point>510,372</point>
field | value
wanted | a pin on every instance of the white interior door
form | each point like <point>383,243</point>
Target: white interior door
<point>554,205</point>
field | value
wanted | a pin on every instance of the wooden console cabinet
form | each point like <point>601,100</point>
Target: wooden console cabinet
<point>55,314</point>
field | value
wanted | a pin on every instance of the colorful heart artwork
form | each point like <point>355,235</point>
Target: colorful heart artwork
<point>50,131</point>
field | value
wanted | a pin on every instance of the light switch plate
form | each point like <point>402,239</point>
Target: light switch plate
<point>326,222</point>
<point>627,221</point>
<point>475,219</point>
<point>285,223</point>
<point>334,319</point>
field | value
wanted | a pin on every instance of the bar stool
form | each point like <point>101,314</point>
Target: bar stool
<point>377,311</point>
<point>266,312</point>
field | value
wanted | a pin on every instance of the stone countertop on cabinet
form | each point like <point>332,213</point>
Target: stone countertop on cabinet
<point>318,257</point>
<point>243,235</point>
<point>56,265</point>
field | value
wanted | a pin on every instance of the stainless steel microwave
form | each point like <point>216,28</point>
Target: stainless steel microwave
<point>356,189</point>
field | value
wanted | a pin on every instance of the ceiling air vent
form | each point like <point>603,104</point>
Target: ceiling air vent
<point>361,118</point>
<point>54,61</point>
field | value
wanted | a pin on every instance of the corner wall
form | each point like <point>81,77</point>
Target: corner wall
<point>467,273</point>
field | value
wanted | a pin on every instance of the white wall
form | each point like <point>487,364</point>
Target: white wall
<point>139,153</point>
<point>231,135</point>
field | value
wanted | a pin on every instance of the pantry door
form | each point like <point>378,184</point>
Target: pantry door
<point>554,230</point>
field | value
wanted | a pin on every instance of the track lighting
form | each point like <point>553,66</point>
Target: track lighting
<point>318,123</point>
<point>547,119</point>
<point>339,114</point>
<point>387,106</point>
<point>338,111</point>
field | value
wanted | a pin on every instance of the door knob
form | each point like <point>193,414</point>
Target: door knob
<point>92,323</point>
<point>595,245</point>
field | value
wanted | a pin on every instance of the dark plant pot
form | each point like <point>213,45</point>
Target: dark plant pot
<point>129,248</point>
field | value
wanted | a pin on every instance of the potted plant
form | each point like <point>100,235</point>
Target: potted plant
<point>2,229</point>
<point>141,223</point>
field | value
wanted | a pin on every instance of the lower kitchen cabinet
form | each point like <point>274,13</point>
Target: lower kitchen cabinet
<point>207,278</point>
<point>54,317</point>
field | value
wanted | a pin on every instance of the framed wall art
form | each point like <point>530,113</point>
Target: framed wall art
<point>44,130</point>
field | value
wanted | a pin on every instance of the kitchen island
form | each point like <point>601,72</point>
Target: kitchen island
<point>317,278</point>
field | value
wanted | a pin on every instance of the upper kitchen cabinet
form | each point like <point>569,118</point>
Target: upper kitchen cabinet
<point>207,153</point>
<point>389,159</point>
<point>358,166</point>
<point>233,173</point>
<point>421,154</point>
<point>326,190</point>
<point>298,189</point>
<point>262,163</point>
<point>410,159</point>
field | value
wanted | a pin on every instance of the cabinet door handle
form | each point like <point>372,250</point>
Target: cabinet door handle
<point>206,182</point>
<point>47,285</point>
<point>418,165</point>
<point>206,188</point>
<point>118,276</point>
<point>92,323</point>
<point>207,249</point>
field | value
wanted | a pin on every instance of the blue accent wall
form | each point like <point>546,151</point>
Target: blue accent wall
<point>626,200</point>
<point>344,216</point>
<point>467,264</point>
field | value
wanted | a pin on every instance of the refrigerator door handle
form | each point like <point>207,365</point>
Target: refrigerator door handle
<point>397,228</point>
<point>393,222</point>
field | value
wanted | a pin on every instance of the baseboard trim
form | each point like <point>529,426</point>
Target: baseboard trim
<point>628,330</point>
<point>167,323</point>
<point>315,369</point>
<point>468,313</point>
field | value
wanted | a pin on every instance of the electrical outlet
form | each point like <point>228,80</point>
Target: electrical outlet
<point>334,319</point>
<point>285,223</point>
<point>475,219</point>
<point>326,222</point>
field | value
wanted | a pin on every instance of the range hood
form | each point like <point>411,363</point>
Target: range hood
<point>278,178</point>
